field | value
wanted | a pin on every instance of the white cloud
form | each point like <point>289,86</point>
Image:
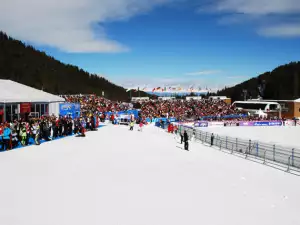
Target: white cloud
<point>262,13</point>
<point>205,72</point>
<point>68,24</point>
<point>281,30</point>
<point>258,7</point>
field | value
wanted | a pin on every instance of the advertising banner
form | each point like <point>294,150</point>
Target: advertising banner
<point>25,107</point>
<point>201,124</point>
<point>261,123</point>
<point>216,124</point>
<point>247,123</point>
<point>231,124</point>
<point>69,109</point>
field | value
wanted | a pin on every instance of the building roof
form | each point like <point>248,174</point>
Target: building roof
<point>297,100</point>
<point>13,92</point>
<point>272,100</point>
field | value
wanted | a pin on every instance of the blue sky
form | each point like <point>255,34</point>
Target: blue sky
<point>167,42</point>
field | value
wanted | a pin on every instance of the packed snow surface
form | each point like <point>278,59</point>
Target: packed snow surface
<point>118,177</point>
<point>282,135</point>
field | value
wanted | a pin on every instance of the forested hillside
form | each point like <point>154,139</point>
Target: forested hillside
<point>280,84</point>
<point>26,65</point>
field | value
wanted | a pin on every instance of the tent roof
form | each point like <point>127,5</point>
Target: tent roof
<point>13,92</point>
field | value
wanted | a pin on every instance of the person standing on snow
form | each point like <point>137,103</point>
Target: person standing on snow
<point>181,137</point>
<point>6,137</point>
<point>185,140</point>
<point>36,132</point>
<point>212,137</point>
<point>141,126</point>
<point>131,125</point>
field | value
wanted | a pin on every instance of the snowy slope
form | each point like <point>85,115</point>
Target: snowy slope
<point>118,177</point>
<point>285,135</point>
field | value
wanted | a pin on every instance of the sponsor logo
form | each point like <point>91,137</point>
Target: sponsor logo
<point>66,107</point>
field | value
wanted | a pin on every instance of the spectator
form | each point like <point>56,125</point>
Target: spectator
<point>7,137</point>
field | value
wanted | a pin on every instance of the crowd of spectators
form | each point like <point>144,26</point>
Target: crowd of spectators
<point>191,109</point>
<point>21,133</point>
<point>92,104</point>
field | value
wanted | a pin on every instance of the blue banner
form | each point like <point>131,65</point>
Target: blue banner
<point>268,123</point>
<point>69,109</point>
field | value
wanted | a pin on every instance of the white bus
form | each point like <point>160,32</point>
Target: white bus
<point>254,106</point>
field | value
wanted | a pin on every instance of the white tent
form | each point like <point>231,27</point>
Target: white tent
<point>13,92</point>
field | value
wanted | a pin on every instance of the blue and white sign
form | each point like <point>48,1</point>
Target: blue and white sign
<point>72,109</point>
<point>267,123</point>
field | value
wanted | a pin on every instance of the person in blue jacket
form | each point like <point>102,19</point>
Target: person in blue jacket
<point>6,137</point>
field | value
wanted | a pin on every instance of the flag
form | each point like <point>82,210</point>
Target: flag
<point>191,88</point>
<point>129,89</point>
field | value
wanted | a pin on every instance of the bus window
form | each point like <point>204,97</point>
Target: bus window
<point>273,107</point>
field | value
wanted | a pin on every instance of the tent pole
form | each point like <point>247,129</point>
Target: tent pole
<point>4,112</point>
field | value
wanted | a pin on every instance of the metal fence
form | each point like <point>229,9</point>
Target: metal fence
<point>268,153</point>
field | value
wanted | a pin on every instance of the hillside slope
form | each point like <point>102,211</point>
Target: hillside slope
<point>281,84</point>
<point>26,65</point>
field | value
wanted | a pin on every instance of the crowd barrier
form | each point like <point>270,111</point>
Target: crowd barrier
<point>268,153</point>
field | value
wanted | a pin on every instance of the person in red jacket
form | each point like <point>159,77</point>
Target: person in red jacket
<point>1,129</point>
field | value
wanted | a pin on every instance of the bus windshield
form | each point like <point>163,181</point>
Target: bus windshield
<point>252,106</point>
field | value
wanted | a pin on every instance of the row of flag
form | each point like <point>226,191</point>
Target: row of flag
<point>170,88</point>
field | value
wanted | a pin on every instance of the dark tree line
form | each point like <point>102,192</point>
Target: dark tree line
<point>26,65</point>
<point>280,84</point>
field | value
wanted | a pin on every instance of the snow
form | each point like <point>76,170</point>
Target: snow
<point>282,135</point>
<point>118,177</point>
